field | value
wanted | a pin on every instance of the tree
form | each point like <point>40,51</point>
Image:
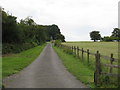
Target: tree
<point>26,34</point>
<point>95,35</point>
<point>53,31</point>
<point>60,37</point>
<point>9,28</point>
<point>29,21</point>
<point>116,33</point>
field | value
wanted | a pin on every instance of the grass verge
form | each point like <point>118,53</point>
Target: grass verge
<point>14,63</point>
<point>81,70</point>
<point>77,68</point>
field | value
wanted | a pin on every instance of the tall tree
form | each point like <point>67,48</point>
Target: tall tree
<point>53,31</point>
<point>95,35</point>
<point>9,28</point>
<point>26,33</point>
<point>116,32</point>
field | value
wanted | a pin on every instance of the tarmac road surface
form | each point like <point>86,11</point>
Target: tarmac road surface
<point>47,71</point>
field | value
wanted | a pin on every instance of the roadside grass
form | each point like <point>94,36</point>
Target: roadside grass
<point>82,70</point>
<point>14,63</point>
<point>105,48</point>
<point>77,68</point>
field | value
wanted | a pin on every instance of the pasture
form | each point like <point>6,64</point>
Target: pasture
<point>105,48</point>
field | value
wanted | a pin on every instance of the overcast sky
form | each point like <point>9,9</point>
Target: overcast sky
<point>75,18</point>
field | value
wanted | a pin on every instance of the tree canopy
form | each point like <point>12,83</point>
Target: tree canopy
<point>116,32</point>
<point>27,31</point>
<point>114,37</point>
<point>95,35</point>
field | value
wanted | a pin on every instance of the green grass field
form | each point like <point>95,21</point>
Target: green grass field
<point>14,63</point>
<point>105,48</point>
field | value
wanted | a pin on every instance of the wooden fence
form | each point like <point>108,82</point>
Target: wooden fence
<point>75,50</point>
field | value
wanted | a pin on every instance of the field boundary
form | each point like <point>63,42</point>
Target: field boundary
<point>75,50</point>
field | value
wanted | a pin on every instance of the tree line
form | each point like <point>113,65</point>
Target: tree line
<point>25,34</point>
<point>115,36</point>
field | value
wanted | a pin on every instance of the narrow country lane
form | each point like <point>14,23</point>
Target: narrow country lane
<point>47,71</point>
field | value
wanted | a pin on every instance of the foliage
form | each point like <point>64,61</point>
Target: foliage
<point>116,32</point>
<point>114,37</point>
<point>16,48</point>
<point>107,38</point>
<point>95,35</point>
<point>26,32</point>
<point>110,38</point>
<point>9,28</point>
<point>57,42</point>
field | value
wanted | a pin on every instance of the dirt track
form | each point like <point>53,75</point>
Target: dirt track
<point>47,71</point>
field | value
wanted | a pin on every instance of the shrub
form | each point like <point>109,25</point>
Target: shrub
<point>16,48</point>
<point>57,42</point>
<point>109,39</point>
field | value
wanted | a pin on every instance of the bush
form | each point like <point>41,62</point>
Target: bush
<point>109,39</point>
<point>16,48</point>
<point>57,42</point>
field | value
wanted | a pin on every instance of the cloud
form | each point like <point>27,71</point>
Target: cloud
<point>76,18</point>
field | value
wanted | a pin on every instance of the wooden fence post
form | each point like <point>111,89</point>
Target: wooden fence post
<point>77,51</point>
<point>72,49</point>
<point>111,62</point>
<point>88,56</point>
<point>98,69</point>
<point>82,53</point>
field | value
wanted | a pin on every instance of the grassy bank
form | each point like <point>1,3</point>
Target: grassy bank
<point>14,63</point>
<point>77,68</point>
